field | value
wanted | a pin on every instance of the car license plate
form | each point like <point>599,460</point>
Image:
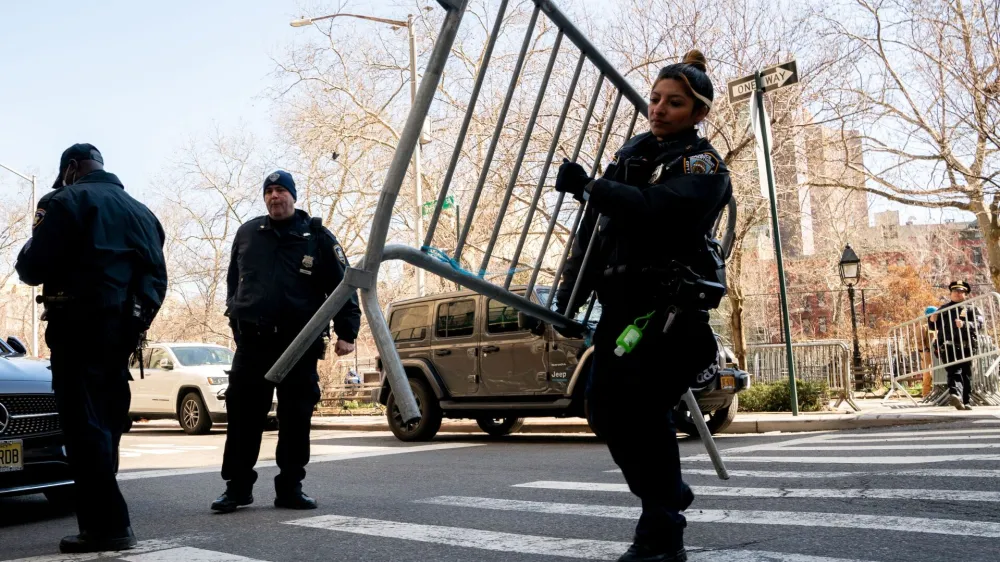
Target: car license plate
<point>11,455</point>
<point>728,382</point>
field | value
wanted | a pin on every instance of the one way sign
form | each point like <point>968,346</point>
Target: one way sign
<point>774,77</point>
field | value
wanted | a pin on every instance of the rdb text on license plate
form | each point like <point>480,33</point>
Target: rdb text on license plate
<point>11,456</point>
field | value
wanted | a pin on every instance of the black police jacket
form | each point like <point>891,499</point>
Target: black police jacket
<point>659,203</point>
<point>956,343</point>
<point>96,246</point>
<point>281,273</point>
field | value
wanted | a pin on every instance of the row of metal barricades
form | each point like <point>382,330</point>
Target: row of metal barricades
<point>820,361</point>
<point>962,336</point>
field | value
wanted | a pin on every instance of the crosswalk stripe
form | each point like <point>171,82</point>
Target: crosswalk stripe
<point>187,554</point>
<point>745,517</point>
<point>529,544</point>
<point>900,439</point>
<point>347,454</point>
<point>926,472</point>
<point>882,447</point>
<point>791,493</point>
<point>468,538</point>
<point>987,421</point>
<point>141,547</point>
<point>837,436</point>
<point>850,460</point>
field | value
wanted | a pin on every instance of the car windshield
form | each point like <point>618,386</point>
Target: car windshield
<point>195,356</point>
<point>5,349</point>
<point>543,293</point>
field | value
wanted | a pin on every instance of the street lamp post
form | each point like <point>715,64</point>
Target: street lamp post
<point>417,187</point>
<point>850,274</point>
<point>34,290</point>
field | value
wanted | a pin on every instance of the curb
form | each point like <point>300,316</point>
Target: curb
<point>737,427</point>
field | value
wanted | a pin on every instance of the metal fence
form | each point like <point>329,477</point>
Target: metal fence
<point>627,107</point>
<point>932,343</point>
<point>827,361</point>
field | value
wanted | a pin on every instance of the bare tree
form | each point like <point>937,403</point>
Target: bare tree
<point>922,100</point>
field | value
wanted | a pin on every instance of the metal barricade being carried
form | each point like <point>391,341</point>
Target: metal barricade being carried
<point>364,273</point>
<point>964,334</point>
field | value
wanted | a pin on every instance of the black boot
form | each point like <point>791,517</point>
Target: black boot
<point>228,501</point>
<point>294,500</point>
<point>86,542</point>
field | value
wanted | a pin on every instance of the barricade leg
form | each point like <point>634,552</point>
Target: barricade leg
<point>706,435</point>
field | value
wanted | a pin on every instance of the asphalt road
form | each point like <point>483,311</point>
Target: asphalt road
<point>913,494</point>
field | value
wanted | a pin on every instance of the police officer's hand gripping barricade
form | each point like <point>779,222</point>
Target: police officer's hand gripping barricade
<point>701,293</point>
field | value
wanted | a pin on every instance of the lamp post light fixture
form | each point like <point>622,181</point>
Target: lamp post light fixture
<point>850,274</point>
<point>417,188</point>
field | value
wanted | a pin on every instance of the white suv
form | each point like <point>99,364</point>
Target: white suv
<point>186,382</point>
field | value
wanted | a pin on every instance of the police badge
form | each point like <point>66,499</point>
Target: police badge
<point>307,261</point>
<point>273,177</point>
<point>657,174</point>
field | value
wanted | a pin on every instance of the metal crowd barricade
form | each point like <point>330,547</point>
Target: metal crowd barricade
<point>826,361</point>
<point>915,347</point>
<point>363,274</point>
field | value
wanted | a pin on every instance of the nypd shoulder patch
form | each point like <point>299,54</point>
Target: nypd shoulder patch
<point>341,257</point>
<point>704,163</point>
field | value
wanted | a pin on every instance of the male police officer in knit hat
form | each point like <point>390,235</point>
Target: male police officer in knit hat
<point>283,267</point>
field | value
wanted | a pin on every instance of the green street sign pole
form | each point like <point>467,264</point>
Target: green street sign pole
<point>777,244</point>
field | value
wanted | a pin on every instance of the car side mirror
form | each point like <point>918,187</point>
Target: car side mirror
<point>17,345</point>
<point>166,365</point>
<point>525,322</point>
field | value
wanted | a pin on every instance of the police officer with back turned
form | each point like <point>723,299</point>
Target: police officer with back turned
<point>957,326</point>
<point>283,267</point>
<point>99,255</point>
<point>657,271</point>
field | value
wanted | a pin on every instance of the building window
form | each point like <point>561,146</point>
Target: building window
<point>977,256</point>
<point>822,325</point>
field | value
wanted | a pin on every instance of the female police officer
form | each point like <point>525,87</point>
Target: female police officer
<point>655,209</point>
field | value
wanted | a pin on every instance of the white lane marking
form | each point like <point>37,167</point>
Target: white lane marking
<point>151,545</point>
<point>528,544</point>
<point>852,460</point>
<point>917,438</point>
<point>745,517</point>
<point>829,493</point>
<point>927,472</point>
<point>468,538</point>
<point>348,454</point>
<point>836,436</point>
<point>186,554</point>
<point>910,447</point>
<point>987,421</point>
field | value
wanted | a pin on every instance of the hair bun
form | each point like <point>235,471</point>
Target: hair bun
<point>695,58</point>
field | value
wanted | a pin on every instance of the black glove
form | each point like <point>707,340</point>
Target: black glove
<point>572,179</point>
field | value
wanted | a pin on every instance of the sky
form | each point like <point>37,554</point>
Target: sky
<point>136,79</point>
<point>140,79</point>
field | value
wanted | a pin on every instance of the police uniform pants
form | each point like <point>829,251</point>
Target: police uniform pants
<point>90,380</point>
<point>960,381</point>
<point>630,401</point>
<point>248,400</point>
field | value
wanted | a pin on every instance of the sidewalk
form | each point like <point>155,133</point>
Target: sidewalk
<point>873,414</point>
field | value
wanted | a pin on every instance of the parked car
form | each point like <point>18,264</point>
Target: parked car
<point>186,382</point>
<point>469,356</point>
<point>32,456</point>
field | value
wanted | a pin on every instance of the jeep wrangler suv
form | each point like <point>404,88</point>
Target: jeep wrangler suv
<point>469,356</point>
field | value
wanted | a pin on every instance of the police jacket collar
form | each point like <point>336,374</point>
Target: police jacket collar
<point>685,137</point>
<point>300,217</point>
<point>101,176</point>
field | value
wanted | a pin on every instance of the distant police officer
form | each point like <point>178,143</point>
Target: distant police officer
<point>283,267</point>
<point>99,254</point>
<point>957,326</point>
<point>655,267</point>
